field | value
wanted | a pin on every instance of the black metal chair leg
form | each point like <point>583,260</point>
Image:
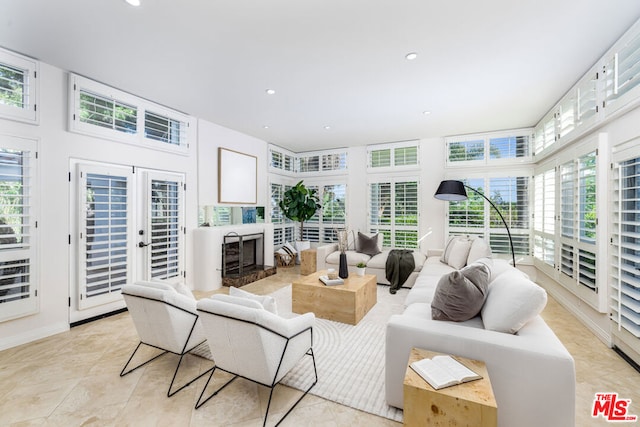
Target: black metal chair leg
<point>199,403</point>
<point>123,373</point>
<point>171,393</point>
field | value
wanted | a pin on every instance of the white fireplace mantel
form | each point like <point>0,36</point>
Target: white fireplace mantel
<point>207,250</point>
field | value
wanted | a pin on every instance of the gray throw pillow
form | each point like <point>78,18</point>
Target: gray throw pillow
<point>368,245</point>
<point>460,295</point>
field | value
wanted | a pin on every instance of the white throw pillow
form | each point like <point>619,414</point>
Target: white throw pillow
<point>268,302</point>
<point>457,257</point>
<point>291,248</point>
<point>183,289</point>
<point>479,249</point>
<point>512,301</point>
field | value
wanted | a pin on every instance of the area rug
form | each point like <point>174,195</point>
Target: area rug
<point>350,359</point>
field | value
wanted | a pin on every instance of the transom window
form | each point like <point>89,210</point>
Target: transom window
<point>18,88</point>
<point>99,110</point>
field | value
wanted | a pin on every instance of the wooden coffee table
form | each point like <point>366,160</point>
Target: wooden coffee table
<point>346,303</point>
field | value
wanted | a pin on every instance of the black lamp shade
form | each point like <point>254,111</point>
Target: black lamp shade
<point>451,190</point>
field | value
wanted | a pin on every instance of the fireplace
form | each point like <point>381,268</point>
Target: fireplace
<point>243,259</point>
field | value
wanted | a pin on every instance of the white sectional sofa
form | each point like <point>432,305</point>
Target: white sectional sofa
<point>531,372</point>
<point>328,256</point>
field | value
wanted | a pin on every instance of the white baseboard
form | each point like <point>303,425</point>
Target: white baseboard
<point>33,335</point>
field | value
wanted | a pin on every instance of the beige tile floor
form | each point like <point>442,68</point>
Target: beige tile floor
<point>71,379</point>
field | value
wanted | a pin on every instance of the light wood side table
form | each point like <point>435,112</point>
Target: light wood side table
<point>469,404</point>
<point>308,261</point>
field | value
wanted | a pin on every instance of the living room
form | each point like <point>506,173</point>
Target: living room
<point>65,153</point>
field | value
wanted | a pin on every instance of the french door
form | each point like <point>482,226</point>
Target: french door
<point>130,226</point>
<point>160,230</point>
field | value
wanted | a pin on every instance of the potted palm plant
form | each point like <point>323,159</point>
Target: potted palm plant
<point>300,204</point>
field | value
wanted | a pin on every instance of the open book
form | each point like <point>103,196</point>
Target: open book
<point>443,371</point>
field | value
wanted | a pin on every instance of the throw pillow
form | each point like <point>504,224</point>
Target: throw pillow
<point>512,301</point>
<point>479,249</point>
<point>368,245</point>
<point>459,253</point>
<point>268,302</point>
<point>183,289</point>
<point>459,295</point>
<point>288,246</point>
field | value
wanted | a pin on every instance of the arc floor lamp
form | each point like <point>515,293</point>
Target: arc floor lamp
<point>454,191</point>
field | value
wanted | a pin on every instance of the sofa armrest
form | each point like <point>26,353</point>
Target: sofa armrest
<point>322,252</point>
<point>528,371</point>
<point>434,252</point>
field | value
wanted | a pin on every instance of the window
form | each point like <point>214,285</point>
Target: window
<point>496,146</point>
<point>18,87</point>
<point>165,229</point>
<point>544,216</point>
<point>18,281</point>
<point>309,164</point>
<point>476,217</point>
<point>333,213</point>
<point>625,283</point>
<point>398,154</point>
<point>107,113</point>
<point>283,228</point>
<point>322,162</point>
<point>99,110</point>
<point>460,151</point>
<point>281,160</point>
<point>578,220</point>
<point>164,129</point>
<point>393,212</point>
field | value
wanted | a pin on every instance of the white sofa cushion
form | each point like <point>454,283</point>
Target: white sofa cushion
<point>421,310</point>
<point>353,258</point>
<point>266,301</point>
<point>512,301</point>
<point>479,249</point>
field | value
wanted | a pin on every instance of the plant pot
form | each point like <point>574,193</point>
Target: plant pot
<point>360,271</point>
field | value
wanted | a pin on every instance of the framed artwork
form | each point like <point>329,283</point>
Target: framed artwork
<point>237,177</point>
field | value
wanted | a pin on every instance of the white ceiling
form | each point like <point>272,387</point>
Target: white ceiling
<point>481,66</point>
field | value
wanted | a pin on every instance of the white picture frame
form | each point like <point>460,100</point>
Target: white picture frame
<point>237,177</point>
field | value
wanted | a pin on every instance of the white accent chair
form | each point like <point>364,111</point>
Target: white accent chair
<point>250,342</point>
<point>166,320</point>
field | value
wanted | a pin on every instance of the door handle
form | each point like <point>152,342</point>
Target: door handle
<point>143,244</point>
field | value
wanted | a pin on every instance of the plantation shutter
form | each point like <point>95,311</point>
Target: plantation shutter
<point>467,216</point>
<point>509,147</point>
<point>544,217</point>
<point>380,210</point>
<point>108,113</point>
<point>276,159</point>
<point>587,219</point>
<point>333,210</point>
<point>393,212</point>
<point>567,216</point>
<point>18,88</point>
<point>18,283</point>
<point>334,162</point>
<point>511,197</point>
<point>166,227</point>
<point>104,222</point>
<point>625,283</point>
<point>461,151</point>
<point>622,72</point>
<point>586,93</point>
<point>380,158</point>
<point>311,230</point>
<point>404,156</point>
<point>162,128</point>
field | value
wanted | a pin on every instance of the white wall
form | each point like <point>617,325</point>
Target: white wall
<point>55,264</point>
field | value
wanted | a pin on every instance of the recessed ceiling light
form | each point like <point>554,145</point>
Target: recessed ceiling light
<point>265,127</point>
<point>133,2</point>
<point>270,91</point>
<point>426,113</point>
<point>327,128</point>
<point>411,56</point>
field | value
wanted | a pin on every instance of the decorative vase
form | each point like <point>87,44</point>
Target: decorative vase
<point>343,271</point>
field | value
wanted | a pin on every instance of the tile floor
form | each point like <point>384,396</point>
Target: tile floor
<point>71,379</point>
